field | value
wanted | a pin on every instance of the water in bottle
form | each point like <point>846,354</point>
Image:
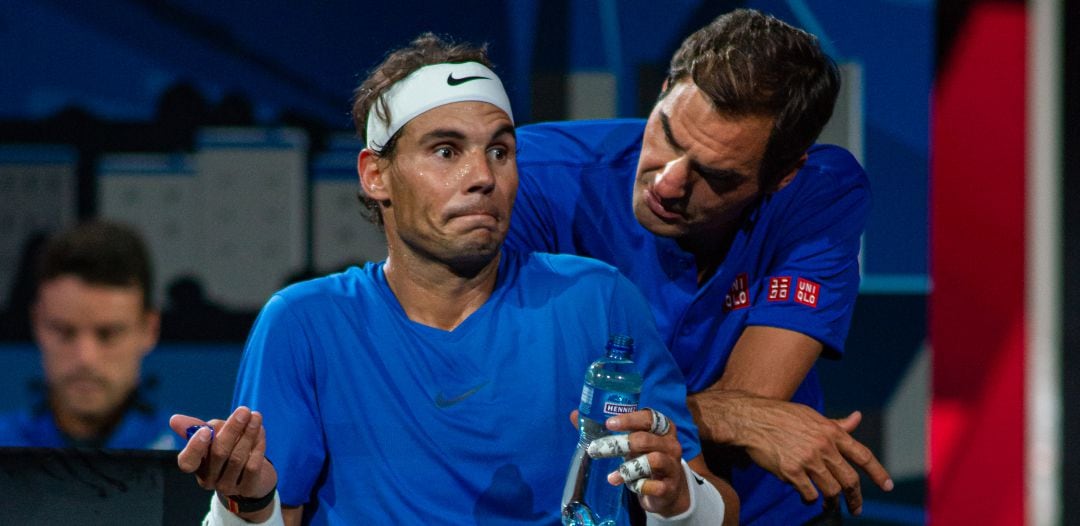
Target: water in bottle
<point>612,387</point>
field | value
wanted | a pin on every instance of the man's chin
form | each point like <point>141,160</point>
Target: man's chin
<point>657,226</point>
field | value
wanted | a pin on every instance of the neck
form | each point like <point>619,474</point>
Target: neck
<point>88,428</point>
<point>709,252</point>
<point>437,294</point>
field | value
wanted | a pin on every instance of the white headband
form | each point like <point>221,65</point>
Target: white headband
<point>430,87</point>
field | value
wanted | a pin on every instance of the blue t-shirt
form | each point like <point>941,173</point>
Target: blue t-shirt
<point>142,427</point>
<point>372,418</point>
<point>793,263</point>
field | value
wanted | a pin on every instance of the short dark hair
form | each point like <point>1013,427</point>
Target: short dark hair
<point>99,253</point>
<point>425,50</point>
<point>748,63</point>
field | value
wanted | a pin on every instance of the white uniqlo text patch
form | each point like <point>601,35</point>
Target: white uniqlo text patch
<point>780,288</point>
<point>739,295</point>
<point>807,292</point>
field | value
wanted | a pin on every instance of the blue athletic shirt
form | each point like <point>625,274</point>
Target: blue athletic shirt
<point>793,263</point>
<point>142,427</point>
<point>372,418</point>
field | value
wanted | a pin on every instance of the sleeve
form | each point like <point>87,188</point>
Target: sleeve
<point>277,378</point>
<point>532,226</point>
<point>663,387</point>
<point>812,280</point>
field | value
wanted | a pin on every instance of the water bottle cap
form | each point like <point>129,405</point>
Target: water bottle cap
<point>620,344</point>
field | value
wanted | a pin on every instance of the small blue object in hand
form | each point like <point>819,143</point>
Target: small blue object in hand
<point>195,429</point>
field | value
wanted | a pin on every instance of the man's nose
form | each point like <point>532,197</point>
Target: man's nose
<point>670,183</point>
<point>86,348</point>
<point>480,176</point>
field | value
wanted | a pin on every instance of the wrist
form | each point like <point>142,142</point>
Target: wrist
<point>240,504</point>
<point>714,412</point>
<point>221,515</point>
<point>706,505</point>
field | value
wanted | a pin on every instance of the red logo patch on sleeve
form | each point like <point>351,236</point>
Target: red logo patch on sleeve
<point>739,295</point>
<point>807,292</point>
<point>779,288</point>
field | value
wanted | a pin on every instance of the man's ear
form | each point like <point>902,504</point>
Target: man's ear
<point>152,329</point>
<point>371,171</point>
<point>790,176</point>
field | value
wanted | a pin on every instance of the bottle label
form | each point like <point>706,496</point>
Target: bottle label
<point>614,408</point>
<point>586,400</point>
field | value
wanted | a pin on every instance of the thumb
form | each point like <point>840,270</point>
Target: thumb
<point>574,418</point>
<point>850,422</point>
<point>180,423</point>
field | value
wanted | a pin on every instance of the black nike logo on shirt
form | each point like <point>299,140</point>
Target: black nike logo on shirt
<point>455,82</point>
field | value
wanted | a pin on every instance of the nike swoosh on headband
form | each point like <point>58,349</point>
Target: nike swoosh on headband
<point>457,82</point>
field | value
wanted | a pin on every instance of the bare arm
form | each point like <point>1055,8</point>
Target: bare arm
<point>747,407</point>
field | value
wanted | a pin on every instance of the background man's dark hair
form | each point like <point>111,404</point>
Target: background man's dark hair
<point>99,253</point>
<point>748,63</point>
<point>425,50</point>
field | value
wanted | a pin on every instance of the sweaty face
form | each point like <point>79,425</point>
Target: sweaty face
<point>451,185</point>
<point>92,340</point>
<point>698,170</point>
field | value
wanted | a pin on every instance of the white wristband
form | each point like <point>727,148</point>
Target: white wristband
<point>706,504</point>
<point>219,515</point>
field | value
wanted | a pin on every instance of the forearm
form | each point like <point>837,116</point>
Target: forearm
<point>718,414</point>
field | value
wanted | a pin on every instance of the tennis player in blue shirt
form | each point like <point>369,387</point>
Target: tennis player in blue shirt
<point>744,238</point>
<point>434,387</point>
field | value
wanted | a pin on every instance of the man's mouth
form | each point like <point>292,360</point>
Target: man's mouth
<point>658,209</point>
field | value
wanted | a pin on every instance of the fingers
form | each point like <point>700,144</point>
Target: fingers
<point>180,423</point>
<point>649,474</point>
<point>610,446</point>
<point>635,469</point>
<point>641,420</point>
<point>574,418</point>
<point>191,457</point>
<point>850,422</point>
<point>240,456</point>
<point>235,438</point>
<point>861,455</point>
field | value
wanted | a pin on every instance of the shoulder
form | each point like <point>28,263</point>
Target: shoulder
<point>573,142</point>
<point>831,167</point>
<point>564,266</point>
<point>315,291</point>
<point>539,271</point>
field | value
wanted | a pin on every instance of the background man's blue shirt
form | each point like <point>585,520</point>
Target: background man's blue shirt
<point>793,263</point>
<point>140,428</point>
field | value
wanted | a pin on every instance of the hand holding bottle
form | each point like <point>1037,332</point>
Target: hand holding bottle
<point>653,468</point>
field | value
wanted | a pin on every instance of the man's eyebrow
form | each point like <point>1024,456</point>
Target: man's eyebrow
<point>442,133</point>
<point>716,174</point>
<point>667,132</point>
<point>507,129</point>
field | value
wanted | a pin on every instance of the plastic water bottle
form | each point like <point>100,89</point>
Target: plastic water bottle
<point>612,387</point>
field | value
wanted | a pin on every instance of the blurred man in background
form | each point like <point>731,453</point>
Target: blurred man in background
<point>94,321</point>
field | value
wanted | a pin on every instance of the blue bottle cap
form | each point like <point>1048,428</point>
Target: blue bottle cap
<point>620,345</point>
<point>195,429</point>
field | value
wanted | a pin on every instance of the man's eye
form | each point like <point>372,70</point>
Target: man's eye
<point>444,151</point>
<point>498,154</point>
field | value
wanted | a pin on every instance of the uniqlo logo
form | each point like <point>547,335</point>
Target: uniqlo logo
<point>807,292</point>
<point>780,288</point>
<point>739,295</point>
